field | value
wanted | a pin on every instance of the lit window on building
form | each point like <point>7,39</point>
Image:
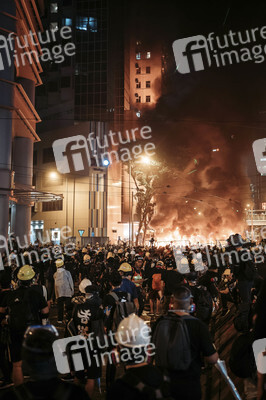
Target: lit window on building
<point>148,84</point>
<point>93,25</point>
<point>148,54</point>
<point>138,56</point>
<point>82,23</point>
<point>54,8</point>
<point>54,26</point>
<point>138,71</point>
<point>138,85</point>
<point>138,99</point>
<point>148,70</point>
<point>67,21</point>
<point>148,99</point>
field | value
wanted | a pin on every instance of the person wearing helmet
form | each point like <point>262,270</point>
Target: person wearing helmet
<point>84,271</point>
<point>171,278</point>
<point>141,379</point>
<point>64,289</point>
<point>24,307</point>
<point>243,268</point>
<point>176,335</point>
<point>87,317</point>
<point>227,289</point>
<point>127,285</point>
<point>155,294</point>
<point>39,362</point>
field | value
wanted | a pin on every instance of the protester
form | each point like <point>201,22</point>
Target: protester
<point>24,307</point>
<point>88,320</point>
<point>141,379</point>
<point>181,357</point>
<point>64,289</point>
<point>38,360</point>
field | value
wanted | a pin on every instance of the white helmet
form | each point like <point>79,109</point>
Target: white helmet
<point>83,284</point>
<point>133,332</point>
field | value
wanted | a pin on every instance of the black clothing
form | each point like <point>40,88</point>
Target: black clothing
<point>172,279</point>
<point>110,302</point>
<point>148,374</point>
<point>53,389</point>
<point>208,280</point>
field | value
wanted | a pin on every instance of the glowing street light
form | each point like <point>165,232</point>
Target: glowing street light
<point>53,175</point>
<point>145,160</point>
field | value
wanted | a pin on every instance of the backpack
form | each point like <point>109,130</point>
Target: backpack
<point>242,361</point>
<point>123,309</point>
<point>156,281</point>
<point>20,313</point>
<point>203,301</point>
<point>172,342</point>
<point>161,391</point>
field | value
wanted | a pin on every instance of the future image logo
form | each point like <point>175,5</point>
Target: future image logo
<point>259,349</point>
<point>196,53</point>
<point>191,54</point>
<point>71,354</point>
<point>259,150</point>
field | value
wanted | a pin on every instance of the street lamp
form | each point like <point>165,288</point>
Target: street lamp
<point>53,175</point>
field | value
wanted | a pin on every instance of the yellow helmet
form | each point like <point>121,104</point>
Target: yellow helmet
<point>86,258</point>
<point>125,267</point>
<point>227,272</point>
<point>59,263</point>
<point>26,273</point>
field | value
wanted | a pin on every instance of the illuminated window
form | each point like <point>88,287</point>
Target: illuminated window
<point>53,8</point>
<point>93,25</point>
<point>148,84</point>
<point>138,71</point>
<point>54,26</point>
<point>148,99</point>
<point>148,54</point>
<point>138,57</point>
<point>67,21</point>
<point>138,99</point>
<point>148,70</point>
<point>138,85</point>
<point>82,23</point>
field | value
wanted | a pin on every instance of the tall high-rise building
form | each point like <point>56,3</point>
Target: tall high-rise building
<point>114,77</point>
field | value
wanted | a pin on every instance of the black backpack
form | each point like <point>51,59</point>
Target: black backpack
<point>242,361</point>
<point>123,308</point>
<point>172,343</point>
<point>20,313</point>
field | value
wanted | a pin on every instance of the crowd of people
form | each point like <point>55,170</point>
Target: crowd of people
<point>151,310</point>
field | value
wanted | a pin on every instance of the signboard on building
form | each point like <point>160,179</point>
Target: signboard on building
<point>81,232</point>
